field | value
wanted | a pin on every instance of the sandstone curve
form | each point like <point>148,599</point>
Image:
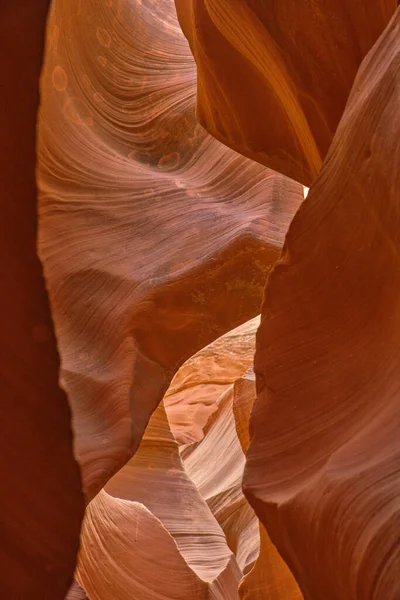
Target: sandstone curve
<point>274,77</point>
<point>326,419</point>
<point>147,224</point>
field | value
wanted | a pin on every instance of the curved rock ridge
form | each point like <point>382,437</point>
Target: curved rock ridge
<point>156,478</point>
<point>201,398</point>
<point>156,239</point>
<point>41,505</point>
<point>274,77</point>
<point>174,488</point>
<point>244,395</point>
<point>134,544</point>
<point>216,462</point>
<point>269,578</point>
<point>216,466</point>
<point>198,386</point>
<point>326,421</point>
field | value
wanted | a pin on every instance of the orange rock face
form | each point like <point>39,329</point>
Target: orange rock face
<point>197,388</point>
<point>323,464</point>
<point>76,593</point>
<point>155,238</point>
<point>274,77</point>
<point>183,508</point>
<point>269,577</point>
<point>204,478</point>
<point>151,513</point>
<point>41,503</point>
<point>157,511</point>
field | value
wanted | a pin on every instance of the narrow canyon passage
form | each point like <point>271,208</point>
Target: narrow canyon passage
<point>199,368</point>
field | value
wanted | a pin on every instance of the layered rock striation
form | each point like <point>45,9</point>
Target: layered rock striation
<point>323,463</point>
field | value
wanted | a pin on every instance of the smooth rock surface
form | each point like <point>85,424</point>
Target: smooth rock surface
<point>41,504</point>
<point>274,77</point>
<point>269,578</point>
<point>327,421</point>
<point>157,478</point>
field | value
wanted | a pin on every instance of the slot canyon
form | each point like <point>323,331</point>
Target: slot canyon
<point>200,248</point>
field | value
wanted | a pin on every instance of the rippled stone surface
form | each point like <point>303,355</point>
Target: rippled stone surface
<point>199,520</point>
<point>155,238</point>
<point>155,480</point>
<point>269,577</point>
<point>197,388</point>
<point>326,421</point>
<point>274,77</point>
<point>216,464</point>
<point>76,592</point>
<point>194,491</point>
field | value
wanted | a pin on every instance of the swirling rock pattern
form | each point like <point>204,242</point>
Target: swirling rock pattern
<point>198,386</point>
<point>41,503</point>
<point>155,238</point>
<point>216,466</point>
<point>166,495</point>
<point>213,458</point>
<point>274,77</point>
<point>270,578</point>
<point>326,421</point>
<point>267,577</point>
<point>124,526</point>
<point>156,478</point>
<point>179,527</point>
<point>186,495</point>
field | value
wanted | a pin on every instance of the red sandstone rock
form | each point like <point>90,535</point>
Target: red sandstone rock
<point>244,396</point>
<point>274,77</point>
<point>323,464</point>
<point>269,578</point>
<point>215,461</point>
<point>76,593</point>
<point>196,389</point>
<point>156,239</point>
<point>157,478</point>
<point>179,528</point>
<point>41,503</point>
<point>189,497</point>
<point>136,554</point>
<point>216,464</point>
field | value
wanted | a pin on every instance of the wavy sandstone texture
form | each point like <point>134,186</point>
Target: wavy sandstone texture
<point>152,514</point>
<point>197,388</point>
<point>155,511</point>
<point>183,508</point>
<point>155,238</point>
<point>274,77</point>
<point>270,578</point>
<point>216,464</point>
<point>41,503</point>
<point>327,421</point>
